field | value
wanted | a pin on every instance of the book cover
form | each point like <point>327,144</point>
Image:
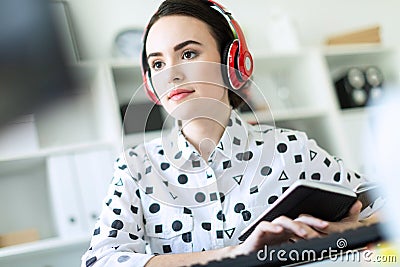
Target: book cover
<point>322,200</point>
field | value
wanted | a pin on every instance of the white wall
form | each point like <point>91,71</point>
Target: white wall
<point>98,21</point>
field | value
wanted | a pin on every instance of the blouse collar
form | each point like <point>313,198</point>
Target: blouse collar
<point>233,141</point>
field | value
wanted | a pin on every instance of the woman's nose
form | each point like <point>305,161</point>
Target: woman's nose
<point>175,74</point>
<point>168,78</point>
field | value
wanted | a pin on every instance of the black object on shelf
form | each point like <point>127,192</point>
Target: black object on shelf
<point>358,86</point>
<point>141,117</point>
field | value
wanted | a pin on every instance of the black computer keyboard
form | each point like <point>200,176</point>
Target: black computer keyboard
<point>305,251</point>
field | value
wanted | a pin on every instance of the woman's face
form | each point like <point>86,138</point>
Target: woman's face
<point>184,61</point>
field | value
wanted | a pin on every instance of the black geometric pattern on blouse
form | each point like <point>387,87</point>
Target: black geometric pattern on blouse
<point>283,176</point>
<point>200,197</point>
<point>131,153</point>
<point>133,237</point>
<point>96,231</point>
<point>259,143</point>
<point>254,189</point>
<point>282,148</point>
<point>119,183</point>
<point>91,261</point>
<point>167,249</point>
<point>246,156</point>
<point>336,177</point>
<point>117,211</point>
<point>220,146</point>
<point>149,190</point>
<point>226,164</point>
<point>173,196</point>
<point>164,166</point>
<point>118,194</point>
<point>316,176</point>
<point>238,178</point>
<point>313,154</point>
<point>298,159</point>
<point>178,155</point>
<point>196,163</point>
<point>187,237</point>
<point>230,232</point>
<point>206,226</point>
<point>221,216</point>
<point>123,167</point>
<point>236,141</point>
<point>266,170</point>
<point>182,179</point>
<point>148,170</point>
<point>327,162</point>
<point>272,199</point>
<point>187,211</point>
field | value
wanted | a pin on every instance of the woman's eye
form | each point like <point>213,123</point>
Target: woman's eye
<point>189,54</point>
<point>157,65</point>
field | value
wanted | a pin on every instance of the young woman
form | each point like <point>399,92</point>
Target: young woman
<point>189,194</point>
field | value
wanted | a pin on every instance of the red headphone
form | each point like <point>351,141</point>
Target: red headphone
<point>236,57</point>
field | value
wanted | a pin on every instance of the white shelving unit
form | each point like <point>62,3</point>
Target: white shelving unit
<point>300,95</point>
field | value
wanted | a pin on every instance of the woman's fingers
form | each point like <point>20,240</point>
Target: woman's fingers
<point>354,211</point>
<point>279,231</point>
<point>312,221</point>
<point>298,228</point>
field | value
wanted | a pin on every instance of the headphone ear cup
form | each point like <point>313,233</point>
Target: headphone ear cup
<point>225,66</point>
<point>233,73</point>
<point>150,89</point>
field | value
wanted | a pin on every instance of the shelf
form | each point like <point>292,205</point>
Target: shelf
<point>340,50</point>
<point>45,152</point>
<point>124,63</point>
<point>361,110</point>
<point>47,245</point>
<point>386,59</point>
<point>24,190</point>
<point>128,84</point>
<point>283,115</point>
<point>266,54</point>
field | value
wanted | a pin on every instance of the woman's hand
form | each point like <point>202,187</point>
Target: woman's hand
<point>349,222</point>
<point>279,231</point>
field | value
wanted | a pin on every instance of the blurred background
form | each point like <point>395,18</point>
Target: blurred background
<point>323,68</point>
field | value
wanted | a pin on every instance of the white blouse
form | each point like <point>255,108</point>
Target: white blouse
<point>164,198</point>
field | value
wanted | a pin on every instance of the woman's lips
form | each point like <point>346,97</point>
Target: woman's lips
<point>179,94</point>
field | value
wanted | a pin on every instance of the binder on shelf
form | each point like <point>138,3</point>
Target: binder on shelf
<point>94,171</point>
<point>65,197</point>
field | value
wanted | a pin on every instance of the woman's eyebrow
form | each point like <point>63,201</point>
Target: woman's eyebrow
<point>185,43</point>
<point>176,48</point>
<point>156,54</point>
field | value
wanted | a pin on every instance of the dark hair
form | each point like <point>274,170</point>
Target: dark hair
<point>218,25</point>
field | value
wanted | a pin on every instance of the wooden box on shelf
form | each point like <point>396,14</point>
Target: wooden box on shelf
<point>19,237</point>
<point>367,35</point>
